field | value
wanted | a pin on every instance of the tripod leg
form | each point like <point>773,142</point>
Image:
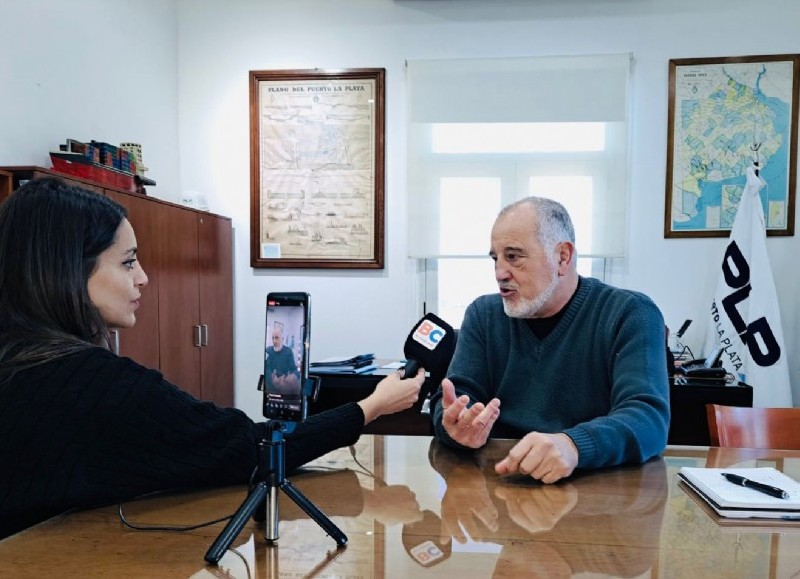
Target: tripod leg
<point>236,524</point>
<point>271,531</point>
<point>272,559</point>
<point>312,511</point>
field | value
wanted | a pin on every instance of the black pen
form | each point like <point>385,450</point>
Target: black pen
<point>757,486</point>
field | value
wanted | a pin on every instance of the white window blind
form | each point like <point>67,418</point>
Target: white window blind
<point>485,132</point>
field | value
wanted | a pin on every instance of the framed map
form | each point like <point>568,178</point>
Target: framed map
<point>317,168</point>
<point>724,115</point>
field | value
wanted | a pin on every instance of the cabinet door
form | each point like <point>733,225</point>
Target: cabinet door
<point>216,308</point>
<point>141,342</point>
<point>179,298</point>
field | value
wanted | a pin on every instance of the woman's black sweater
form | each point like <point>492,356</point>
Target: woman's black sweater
<point>93,429</point>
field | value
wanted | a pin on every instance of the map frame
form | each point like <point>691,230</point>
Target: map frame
<point>780,206</point>
<point>317,174</point>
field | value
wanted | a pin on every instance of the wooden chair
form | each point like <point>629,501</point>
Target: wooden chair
<point>733,426</point>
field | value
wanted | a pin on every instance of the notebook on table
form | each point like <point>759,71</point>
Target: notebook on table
<point>735,501</point>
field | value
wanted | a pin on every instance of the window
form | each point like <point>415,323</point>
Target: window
<point>474,148</point>
<point>468,207</point>
<point>517,137</point>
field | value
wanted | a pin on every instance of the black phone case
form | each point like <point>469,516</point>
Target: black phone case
<point>269,411</point>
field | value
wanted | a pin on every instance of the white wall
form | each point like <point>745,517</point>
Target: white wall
<point>54,85</point>
<point>90,69</point>
<point>220,42</point>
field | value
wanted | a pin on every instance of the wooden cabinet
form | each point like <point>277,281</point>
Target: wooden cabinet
<point>12,177</point>
<point>137,342</point>
<point>179,299</point>
<point>215,240</point>
<point>195,294</point>
<point>6,184</point>
<point>184,327</point>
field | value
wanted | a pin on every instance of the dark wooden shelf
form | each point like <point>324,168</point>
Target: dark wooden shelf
<point>688,424</point>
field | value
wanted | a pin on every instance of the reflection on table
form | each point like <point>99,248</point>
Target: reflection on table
<point>414,508</point>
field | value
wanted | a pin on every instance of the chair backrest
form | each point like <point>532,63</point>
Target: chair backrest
<point>733,426</point>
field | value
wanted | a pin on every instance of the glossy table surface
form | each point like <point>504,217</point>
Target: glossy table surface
<point>412,508</point>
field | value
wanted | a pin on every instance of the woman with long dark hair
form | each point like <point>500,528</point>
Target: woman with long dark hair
<point>82,427</point>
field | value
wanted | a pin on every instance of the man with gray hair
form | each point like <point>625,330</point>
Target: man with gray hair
<point>280,366</point>
<point>578,365</point>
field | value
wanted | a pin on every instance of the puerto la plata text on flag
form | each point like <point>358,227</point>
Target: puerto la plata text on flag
<point>745,318</point>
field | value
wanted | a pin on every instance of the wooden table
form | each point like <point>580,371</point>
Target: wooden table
<point>412,508</point>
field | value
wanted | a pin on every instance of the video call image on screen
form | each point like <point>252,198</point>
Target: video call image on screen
<point>283,356</point>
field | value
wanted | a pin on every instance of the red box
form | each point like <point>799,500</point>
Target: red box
<point>96,173</point>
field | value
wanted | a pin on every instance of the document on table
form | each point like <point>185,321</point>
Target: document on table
<point>350,360</point>
<point>393,365</point>
<point>732,500</point>
<point>342,369</point>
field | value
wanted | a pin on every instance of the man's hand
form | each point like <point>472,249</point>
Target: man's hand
<point>467,426</point>
<point>277,381</point>
<point>545,457</point>
<point>291,382</point>
<point>538,508</point>
<point>467,506</point>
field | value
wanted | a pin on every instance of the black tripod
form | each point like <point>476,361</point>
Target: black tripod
<point>271,474</point>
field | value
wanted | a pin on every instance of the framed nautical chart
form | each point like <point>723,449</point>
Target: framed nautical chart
<point>724,115</point>
<point>317,168</point>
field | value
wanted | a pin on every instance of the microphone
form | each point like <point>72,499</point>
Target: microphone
<point>683,328</point>
<point>430,345</point>
<point>422,540</point>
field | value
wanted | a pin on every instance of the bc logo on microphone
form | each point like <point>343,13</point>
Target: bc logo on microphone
<point>428,334</point>
<point>426,553</point>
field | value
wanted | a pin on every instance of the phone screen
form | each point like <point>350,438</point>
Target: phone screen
<point>286,356</point>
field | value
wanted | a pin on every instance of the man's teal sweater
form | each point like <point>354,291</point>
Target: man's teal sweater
<point>599,376</point>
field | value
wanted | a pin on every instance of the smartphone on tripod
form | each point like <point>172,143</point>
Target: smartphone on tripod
<point>286,352</point>
<point>285,404</point>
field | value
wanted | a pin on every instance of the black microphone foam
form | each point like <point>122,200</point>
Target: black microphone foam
<point>683,328</point>
<point>431,345</point>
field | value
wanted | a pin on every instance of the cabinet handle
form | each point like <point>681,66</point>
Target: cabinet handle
<point>204,334</point>
<point>197,337</point>
<point>115,334</point>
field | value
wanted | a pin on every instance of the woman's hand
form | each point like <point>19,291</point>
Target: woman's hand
<point>392,394</point>
<point>391,504</point>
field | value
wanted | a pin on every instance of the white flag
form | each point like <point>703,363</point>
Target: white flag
<point>745,318</point>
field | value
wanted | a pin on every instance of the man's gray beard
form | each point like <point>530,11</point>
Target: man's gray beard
<point>528,308</point>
